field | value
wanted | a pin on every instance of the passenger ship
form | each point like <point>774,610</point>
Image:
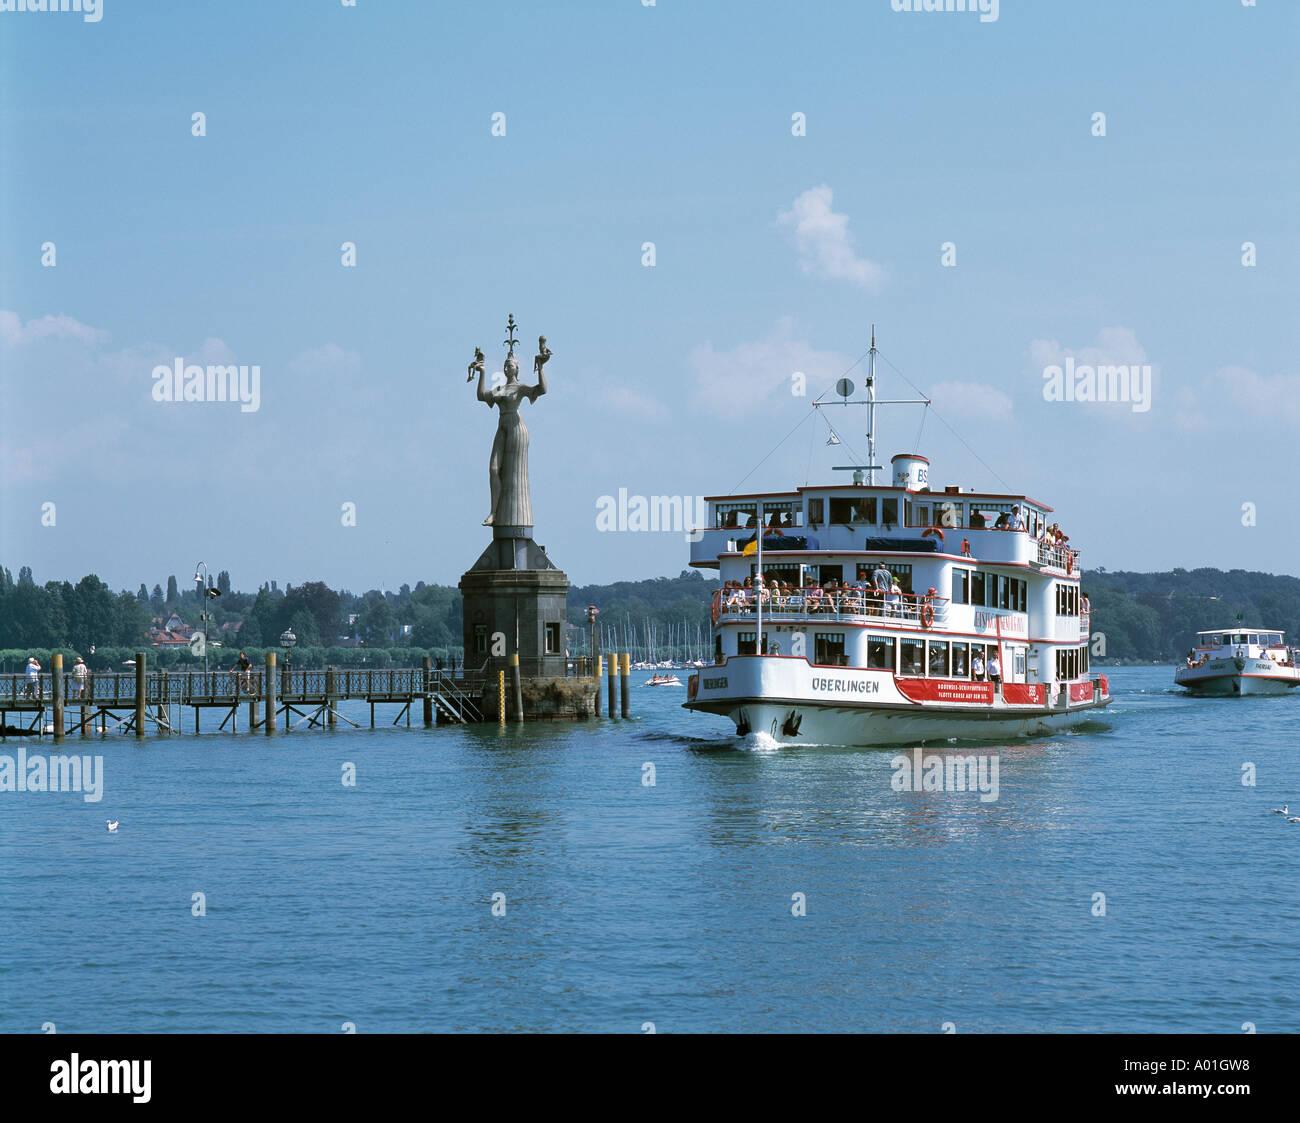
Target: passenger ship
<point>1239,661</point>
<point>842,663</point>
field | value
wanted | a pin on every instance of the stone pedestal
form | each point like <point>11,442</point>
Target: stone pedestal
<point>514,601</point>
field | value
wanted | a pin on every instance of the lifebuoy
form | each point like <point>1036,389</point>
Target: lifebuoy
<point>713,609</point>
<point>927,615</point>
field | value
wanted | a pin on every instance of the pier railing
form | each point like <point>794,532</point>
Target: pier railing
<point>819,606</point>
<point>116,689</point>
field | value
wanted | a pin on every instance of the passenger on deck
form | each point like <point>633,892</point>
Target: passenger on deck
<point>977,521</point>
<point>894,599</point>
<point>995,671</point>
<point>1001,524</point>
<point>977,665</point>
<point>1015,522</point>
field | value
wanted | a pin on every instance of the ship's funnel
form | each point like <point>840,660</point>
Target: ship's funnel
<point>912,471</point>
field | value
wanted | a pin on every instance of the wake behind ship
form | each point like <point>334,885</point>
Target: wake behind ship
<point>888,613</point>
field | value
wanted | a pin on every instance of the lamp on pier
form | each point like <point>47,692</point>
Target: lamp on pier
<point>287,640</point>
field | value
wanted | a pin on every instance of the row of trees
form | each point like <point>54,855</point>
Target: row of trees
<point>1145,617</point>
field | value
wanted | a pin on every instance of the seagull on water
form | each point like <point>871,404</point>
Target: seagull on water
<point>1293,818</point>
<point>112,824</point>
<point>1283,810</point>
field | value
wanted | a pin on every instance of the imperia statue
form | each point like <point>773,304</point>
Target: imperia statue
<point>512,504</point>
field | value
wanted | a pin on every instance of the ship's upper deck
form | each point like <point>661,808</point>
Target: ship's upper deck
<point>862,518</point>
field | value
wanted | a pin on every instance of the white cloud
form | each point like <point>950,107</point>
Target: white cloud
<point>1241,395</point>
<point>1114,346</point>
<point>629,401</point>
<point>824,243</point>
<point>14,332</point>
<point>751,375</point>
<point>971,399</point>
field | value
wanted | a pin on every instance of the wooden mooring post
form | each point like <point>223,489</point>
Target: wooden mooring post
<point>626,699</point>
<point>613,685</point>
<point>269,691</point>
<point>600,674</point>
<point>427,665</point>
<point>141,679</point>
<point>331,698</point>
<point>57,670</point>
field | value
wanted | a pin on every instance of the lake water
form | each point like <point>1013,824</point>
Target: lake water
<point>672,903</point>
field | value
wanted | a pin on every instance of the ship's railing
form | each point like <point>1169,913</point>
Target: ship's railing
<point>1062,557</point>
<point>820,606</point>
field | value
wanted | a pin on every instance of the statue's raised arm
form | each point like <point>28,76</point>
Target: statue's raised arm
<point>539,368</point>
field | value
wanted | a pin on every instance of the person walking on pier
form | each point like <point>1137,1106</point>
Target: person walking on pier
<point>243,670</point>
<point>79,672</point>
<point>32,687</point>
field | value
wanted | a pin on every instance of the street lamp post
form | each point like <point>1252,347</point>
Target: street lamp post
<point>287,640</point>
<point>206,593</point>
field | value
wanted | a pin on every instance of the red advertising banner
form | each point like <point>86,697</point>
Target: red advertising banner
<point>944,690</point>
<point>1024,694</point>
<point>1081,692</point>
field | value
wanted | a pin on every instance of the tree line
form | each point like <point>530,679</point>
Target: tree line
<point>1139,617</point>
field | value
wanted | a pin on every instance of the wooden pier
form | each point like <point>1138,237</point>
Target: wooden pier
<point>271,698</point>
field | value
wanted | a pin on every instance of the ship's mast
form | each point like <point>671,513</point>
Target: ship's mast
<point>871,411</point>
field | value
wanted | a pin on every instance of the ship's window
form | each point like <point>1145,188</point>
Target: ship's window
<point>880,653</point>
<point>889,513</point>
<point>841,509</point>
<point>903,575</point>
<point>717,648</point>
<point>830,573</point>
<point>1253,638</point>
<point>938,663</point>
<point>1239,637</point>
<point>961,586</point>
<point>829,649</point>
<point>918,514</point>
<point>1023,602</point>
<point>552,639</point>
<point>1004,592</point>
<point>977,584</point>
<point>1274,638</point>
<point>948,515</point>
<point>782,514</point>
<point>960,660</point>
<point>747,643</point>
<point>865,510</point>
<point>816,507</point>
<point>1020,664</point>
<point>737,514</point>
<point>913,656</point>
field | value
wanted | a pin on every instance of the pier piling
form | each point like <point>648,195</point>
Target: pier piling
<point>141,679</point>
<point>600,674</point>
<point>613,685</point>
<point>331,697</point>
<point>517,689</point>
<point>269,691</point>
<point>57,671</point>
<point>627,681</point>
<point>427,664</point>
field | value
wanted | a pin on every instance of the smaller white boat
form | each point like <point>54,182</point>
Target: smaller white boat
<point>1231,662</point>
<point>662,680</point>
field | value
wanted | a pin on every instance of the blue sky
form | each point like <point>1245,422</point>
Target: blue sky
<point>628,124</point>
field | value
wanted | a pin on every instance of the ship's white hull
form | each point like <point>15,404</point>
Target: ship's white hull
<point>1238,677</point>
<point>793,702</point>
<point>865,727</point>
